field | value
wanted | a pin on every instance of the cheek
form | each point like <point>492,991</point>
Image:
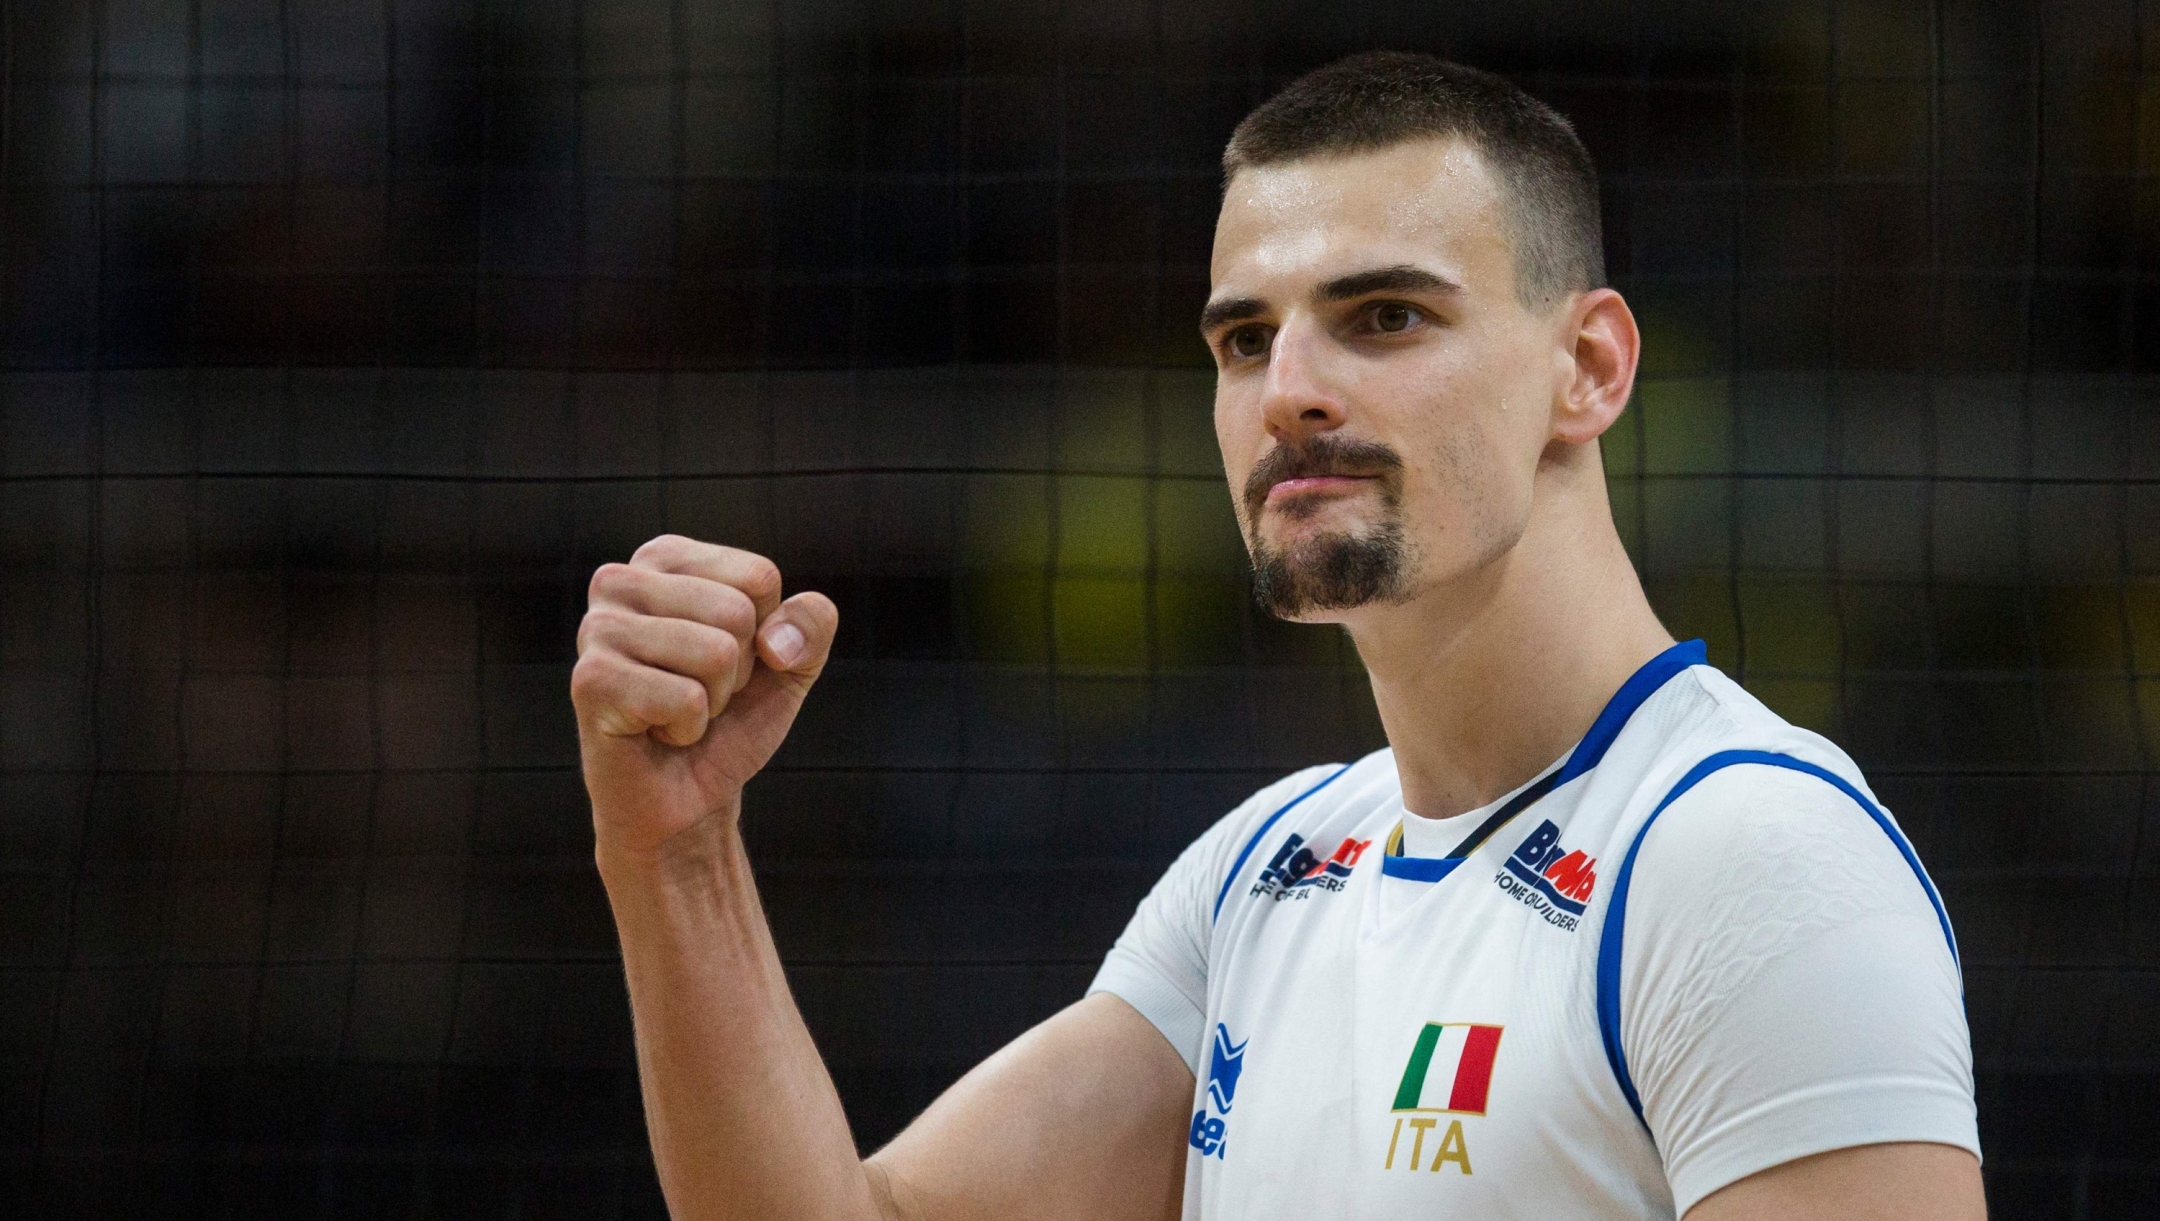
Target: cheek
<point>1473,482</point>
<point>1235,439</point>
<point>1497,402</point>
<point>1239,429</point>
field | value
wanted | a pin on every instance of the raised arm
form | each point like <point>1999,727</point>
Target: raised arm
<point>690,671</point>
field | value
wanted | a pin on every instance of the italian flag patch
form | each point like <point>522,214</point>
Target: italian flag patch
<point>1449,1069</point>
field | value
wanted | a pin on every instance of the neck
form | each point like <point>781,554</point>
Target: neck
<point>1484,679</point>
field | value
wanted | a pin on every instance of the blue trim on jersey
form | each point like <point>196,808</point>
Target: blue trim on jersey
<point>1608,959</point>
<point>1254,842</point>
<point>1640,686</point>
<point>1618,710</point>
<point>1419,868</point>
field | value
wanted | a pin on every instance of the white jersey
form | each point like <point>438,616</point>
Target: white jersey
<point>1693,949</point>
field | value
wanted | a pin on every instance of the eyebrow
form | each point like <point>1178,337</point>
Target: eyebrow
<point>1400,278</point>
<point>1229,310</point>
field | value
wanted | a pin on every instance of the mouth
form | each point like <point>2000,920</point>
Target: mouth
<point>1303,478</point>
<point>1316,485</point>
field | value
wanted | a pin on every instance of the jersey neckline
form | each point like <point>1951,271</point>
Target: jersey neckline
<point>1588,752</point>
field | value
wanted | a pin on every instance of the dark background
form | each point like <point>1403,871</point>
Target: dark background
<point>343,340</point>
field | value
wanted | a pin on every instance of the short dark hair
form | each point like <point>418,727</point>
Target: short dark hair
<point>1382,98</point>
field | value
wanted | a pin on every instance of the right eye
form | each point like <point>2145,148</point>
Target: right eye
<point>1247,341</point>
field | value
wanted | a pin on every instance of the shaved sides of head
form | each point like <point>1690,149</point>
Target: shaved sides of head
<point>1369,102</point>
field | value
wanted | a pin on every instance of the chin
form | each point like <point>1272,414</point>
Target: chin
<point>1322,576</point>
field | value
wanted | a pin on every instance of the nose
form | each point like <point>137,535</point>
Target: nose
<point>1296,401</point>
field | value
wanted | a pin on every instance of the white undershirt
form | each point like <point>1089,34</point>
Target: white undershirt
<point>1436,837</point>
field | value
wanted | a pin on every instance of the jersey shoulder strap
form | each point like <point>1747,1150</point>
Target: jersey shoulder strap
<point>1615,926</point>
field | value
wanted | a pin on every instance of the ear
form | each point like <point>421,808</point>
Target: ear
<point>1598,351</point>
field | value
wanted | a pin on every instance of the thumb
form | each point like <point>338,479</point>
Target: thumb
<point>792,645</point>
<point>796,638</point>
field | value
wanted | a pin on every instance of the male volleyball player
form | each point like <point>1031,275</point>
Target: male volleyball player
<point>1599,936</point>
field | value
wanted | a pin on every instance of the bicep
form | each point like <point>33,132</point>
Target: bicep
<point>1083,1116</point>
<point>1895,1182</point>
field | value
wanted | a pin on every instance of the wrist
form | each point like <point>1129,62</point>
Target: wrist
<point>692,854</point>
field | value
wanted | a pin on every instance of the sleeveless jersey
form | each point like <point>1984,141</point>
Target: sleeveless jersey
<point>1494,1031</point>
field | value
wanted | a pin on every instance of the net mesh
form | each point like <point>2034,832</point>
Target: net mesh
<point>344,340</point>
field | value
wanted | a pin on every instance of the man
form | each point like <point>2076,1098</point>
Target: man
<point>1599,936</point>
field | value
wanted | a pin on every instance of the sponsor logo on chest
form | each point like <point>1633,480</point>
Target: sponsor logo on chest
<point>1550,879</point>
<point>1297,872</point>
<point>1448,1075</point>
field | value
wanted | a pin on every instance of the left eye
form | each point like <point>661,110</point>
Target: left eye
<point>1392,318</point>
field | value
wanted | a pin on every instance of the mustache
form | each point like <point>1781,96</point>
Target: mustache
<point>1323,455</point>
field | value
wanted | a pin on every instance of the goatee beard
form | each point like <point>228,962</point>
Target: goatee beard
<point>1333,571</point>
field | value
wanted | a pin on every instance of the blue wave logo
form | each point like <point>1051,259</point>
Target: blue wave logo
<point>1224,1066</point>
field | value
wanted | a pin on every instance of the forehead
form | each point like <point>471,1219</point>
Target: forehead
<point>1432,202</point>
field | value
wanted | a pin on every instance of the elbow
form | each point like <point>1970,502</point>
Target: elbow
<point>887,1194</point>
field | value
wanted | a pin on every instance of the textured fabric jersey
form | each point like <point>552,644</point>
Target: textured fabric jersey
<point>1694,948</point>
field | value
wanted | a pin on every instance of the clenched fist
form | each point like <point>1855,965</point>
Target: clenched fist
<point>690,670</point>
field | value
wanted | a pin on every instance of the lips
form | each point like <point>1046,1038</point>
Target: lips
<point>1305,484</point>
<point>1307,473</point>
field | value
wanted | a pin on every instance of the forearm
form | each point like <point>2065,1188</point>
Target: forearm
<point>743,1117</point>
<point>690,671</point>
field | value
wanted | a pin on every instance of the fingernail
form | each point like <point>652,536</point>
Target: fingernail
<point>786,643</point>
